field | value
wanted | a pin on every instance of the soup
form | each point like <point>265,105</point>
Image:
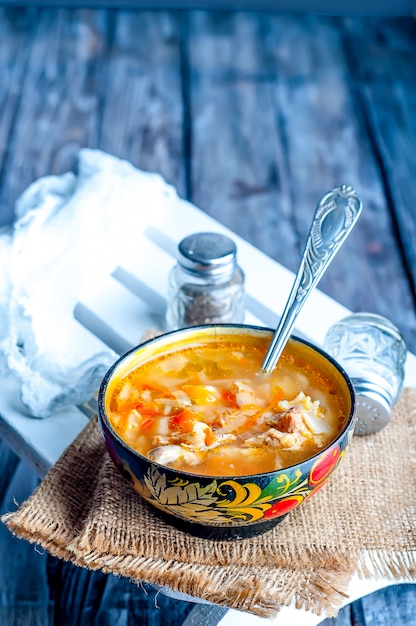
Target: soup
<point>206,409</point>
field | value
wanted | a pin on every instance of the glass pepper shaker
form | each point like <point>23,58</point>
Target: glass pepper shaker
<point>206,286</point>
<point>373,352</point>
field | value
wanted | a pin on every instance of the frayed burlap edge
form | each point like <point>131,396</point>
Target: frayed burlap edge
<point>382,564</point>
<point>399,564</point>
<point>262,591</point>
<point>74,520</point>
<point>319,589</point>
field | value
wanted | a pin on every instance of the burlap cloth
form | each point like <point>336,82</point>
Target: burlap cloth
<point>85,512</point>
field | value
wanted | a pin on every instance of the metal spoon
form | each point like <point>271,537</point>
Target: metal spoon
<point>335,216</point>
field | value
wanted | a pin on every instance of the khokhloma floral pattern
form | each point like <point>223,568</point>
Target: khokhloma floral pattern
<point>229,502</point>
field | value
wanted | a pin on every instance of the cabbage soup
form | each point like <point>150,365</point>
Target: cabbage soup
<point>205,408</point>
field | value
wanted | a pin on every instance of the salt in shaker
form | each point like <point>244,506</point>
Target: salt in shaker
<point>206,286</point>
<point>373,352</point>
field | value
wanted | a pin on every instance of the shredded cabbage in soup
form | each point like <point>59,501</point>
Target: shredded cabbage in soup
<point>206,410</point>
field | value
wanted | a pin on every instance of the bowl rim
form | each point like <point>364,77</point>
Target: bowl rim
<point>103,417</point>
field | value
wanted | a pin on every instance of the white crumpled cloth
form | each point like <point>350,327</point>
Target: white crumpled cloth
<point>69,230</point>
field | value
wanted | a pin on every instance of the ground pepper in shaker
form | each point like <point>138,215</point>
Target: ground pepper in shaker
<point>206,286</point>
<point>373,352</point>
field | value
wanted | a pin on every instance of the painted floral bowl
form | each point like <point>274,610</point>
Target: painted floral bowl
<point>225,506</point>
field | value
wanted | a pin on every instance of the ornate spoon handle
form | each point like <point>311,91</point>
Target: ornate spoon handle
<point>334,218</point>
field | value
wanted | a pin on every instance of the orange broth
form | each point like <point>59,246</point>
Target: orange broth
<point>206,409</point>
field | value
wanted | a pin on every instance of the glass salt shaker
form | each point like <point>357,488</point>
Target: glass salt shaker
<point>373,352</point>
<point>206,286</point>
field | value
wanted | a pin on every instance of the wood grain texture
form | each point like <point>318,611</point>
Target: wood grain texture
<point>394,605</point>
<point>387,71</point>
<point>141,91</point>
<point>23,582</point>
<point>57,110</point>
<point>283,128</point>
<point>328,143</point>
<point>352,7</point>
<point>234,128</point>
<point>84,78</point>
<point>15,40</point>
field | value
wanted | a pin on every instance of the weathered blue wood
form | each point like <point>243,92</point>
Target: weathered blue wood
<point>350,7</point>
<point>394,605</point>
<point>23,581</point>
<point>15,44</point>
<point>8,464</point>
<point>387,607</point>
<point>277,105</point>
<point>79,596</point>
<point>76,78</point>
<point>342,619</point>
<point>382,57</point>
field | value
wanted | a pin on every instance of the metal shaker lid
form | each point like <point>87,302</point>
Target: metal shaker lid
<point>210,254</point>
<point>373,407</point>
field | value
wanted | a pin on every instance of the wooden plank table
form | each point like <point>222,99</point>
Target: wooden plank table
<point>251,116</point>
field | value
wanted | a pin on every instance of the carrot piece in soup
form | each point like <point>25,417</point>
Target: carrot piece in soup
<point>278,393</point>
<point>210,437</point>
<point>146,410</point>
<point>201,394</point>
<point>157,392</point>
<point>183,421</point>
<point>229,398</point>
<point>147,423</point>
